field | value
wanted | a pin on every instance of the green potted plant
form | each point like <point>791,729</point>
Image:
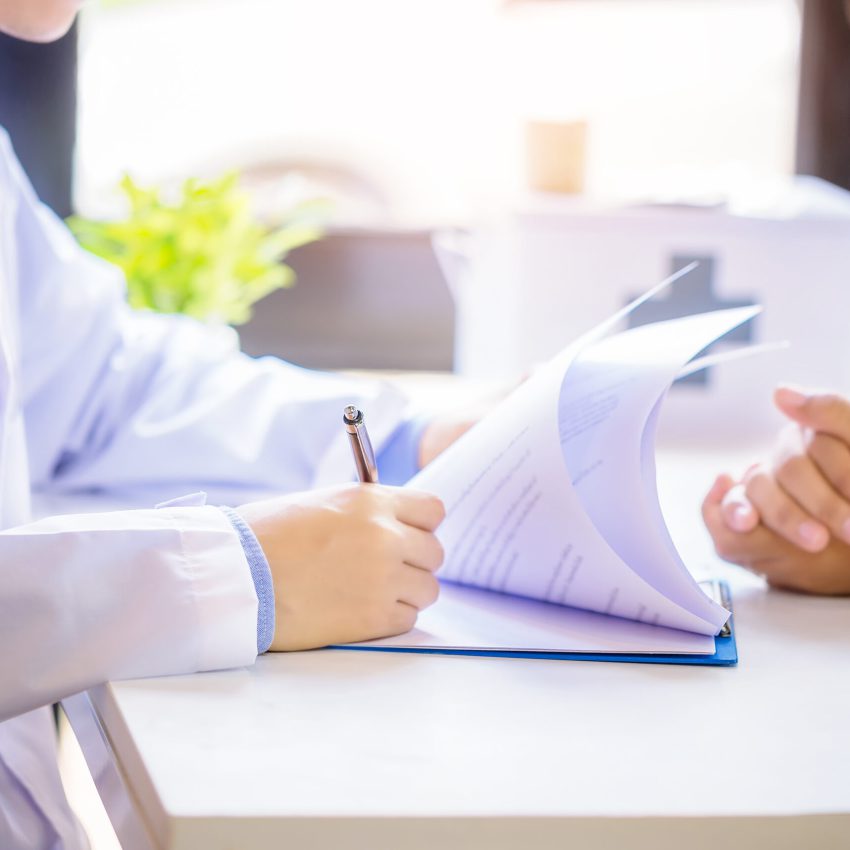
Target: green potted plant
<point>202,253</point>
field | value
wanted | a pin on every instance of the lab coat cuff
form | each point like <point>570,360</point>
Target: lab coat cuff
<point>261,574</point>
<point>224,594</point>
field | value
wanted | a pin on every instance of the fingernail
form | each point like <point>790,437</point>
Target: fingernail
<point>741,515</point>
<point>845,530</point>
<point>793,397</point>
<point>814,536</point>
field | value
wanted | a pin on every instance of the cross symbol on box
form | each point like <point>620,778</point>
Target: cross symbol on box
<point>692,294</point>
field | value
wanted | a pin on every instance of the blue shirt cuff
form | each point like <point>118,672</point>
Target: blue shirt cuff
<point>262,575</point>
<point>398,460</point>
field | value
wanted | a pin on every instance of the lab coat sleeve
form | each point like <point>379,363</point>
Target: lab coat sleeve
<point>99,597</point>
<point>117,399</point>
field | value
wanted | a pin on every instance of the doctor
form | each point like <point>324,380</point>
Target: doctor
<point>93,395</point>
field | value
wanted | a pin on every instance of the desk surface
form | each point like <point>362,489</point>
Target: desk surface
<point>371,750</point>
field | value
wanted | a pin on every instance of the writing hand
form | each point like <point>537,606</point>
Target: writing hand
<point>348,563</point>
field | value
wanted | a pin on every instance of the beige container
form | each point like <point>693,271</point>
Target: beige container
<point>555,155</point>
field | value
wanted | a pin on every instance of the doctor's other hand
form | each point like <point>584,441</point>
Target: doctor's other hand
<point>441,432</point>
<point>783,564</point>
<point>348,563</point>
<point>803,493</point>
<point>447,427</point>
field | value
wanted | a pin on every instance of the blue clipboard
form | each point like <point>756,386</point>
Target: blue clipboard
<point>725,646</point>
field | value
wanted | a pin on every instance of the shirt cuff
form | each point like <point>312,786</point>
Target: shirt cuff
<point>261,574</point>
<point>398,460</point>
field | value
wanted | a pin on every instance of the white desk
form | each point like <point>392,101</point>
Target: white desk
<point>336,749</point>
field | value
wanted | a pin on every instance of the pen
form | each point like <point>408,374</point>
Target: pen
<point>361,445</point>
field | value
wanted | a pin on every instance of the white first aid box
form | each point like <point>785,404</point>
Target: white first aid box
<point>536,279</point>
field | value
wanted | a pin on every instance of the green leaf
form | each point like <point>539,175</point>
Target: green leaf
<point>202,253</point>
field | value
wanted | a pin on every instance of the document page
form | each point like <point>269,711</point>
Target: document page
<point>608,439</point>
<point>515,524</point>
<point>470,618</point>
<point>552,497</point>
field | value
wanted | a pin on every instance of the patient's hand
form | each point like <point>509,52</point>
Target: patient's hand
<point>803,493</point>
<point>782,563</point>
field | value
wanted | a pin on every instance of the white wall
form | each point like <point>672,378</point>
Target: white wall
<point>428,97</point>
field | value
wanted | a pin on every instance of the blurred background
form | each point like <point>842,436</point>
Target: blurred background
<point>426,121</point>
<point>492,176</point>
<point>415,111</point>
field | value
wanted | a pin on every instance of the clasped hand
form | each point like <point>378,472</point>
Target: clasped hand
<point>789,518</point>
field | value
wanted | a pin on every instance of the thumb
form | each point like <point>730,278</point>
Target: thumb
<point>828,413</point>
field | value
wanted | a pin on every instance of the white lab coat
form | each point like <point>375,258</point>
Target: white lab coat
<point>95,396</point>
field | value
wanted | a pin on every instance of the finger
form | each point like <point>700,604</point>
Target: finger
<point>717,491</point>
<point>739,513</point>
<point>832,457</point>
<point>402,619</point>
<point>760,550</point>
<point>729,545</point>
<point>418,588</point>
<point>422,549</point>
<point>780,513</point>
<point>421,510</point>
<point>801,479</point>
<point>825,412</point>
<point>722,484</point>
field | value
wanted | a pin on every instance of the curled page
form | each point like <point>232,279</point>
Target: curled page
<point>608,412</point>
<point>515,523</point>
<point>546,497</point>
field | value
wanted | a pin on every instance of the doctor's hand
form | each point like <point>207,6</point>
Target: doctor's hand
<point>444,430</point>
<point>349,563</point>
<point>447,427</point>
<point>763,551</point>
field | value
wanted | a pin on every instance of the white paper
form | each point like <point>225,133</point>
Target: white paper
<point>607,398</point>
<point>467,617</point>
<point>515,524</point>
<point>552,498</point>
